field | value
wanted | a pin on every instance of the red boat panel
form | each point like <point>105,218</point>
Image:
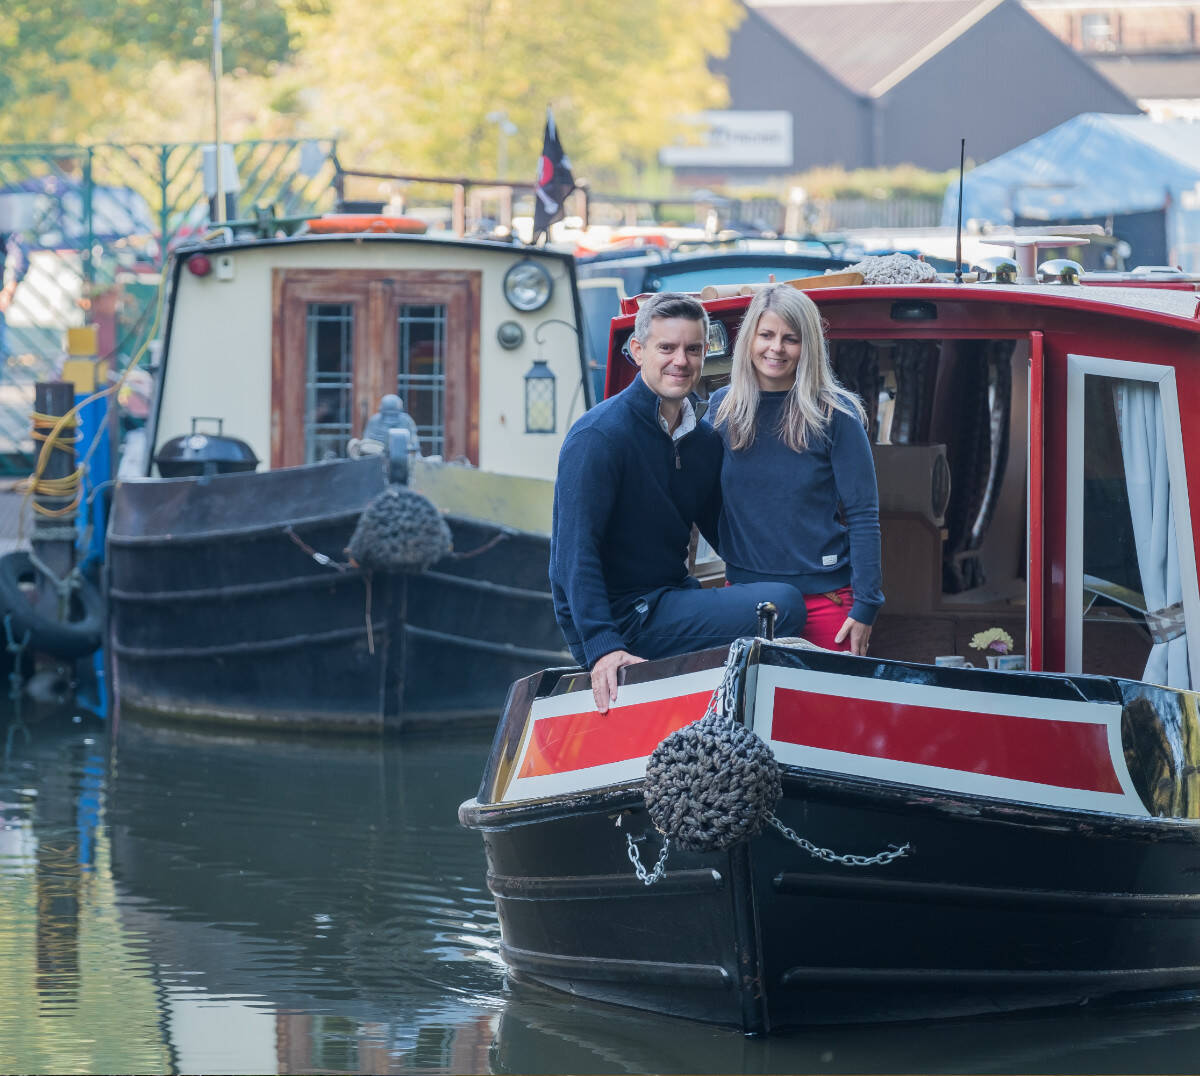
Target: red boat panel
<point>578,741</point>
<point>1068,754</point>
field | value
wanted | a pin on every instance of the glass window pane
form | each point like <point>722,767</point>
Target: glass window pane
<point>421,383</point>
<point>1133,598</point>
<point>329,337</point>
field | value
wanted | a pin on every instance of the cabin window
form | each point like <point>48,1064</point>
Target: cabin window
<point>328,407</point>
<point>1132,573</point>
<point>421,365</point>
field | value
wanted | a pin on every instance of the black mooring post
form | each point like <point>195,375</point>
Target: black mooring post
<point>766,619</point>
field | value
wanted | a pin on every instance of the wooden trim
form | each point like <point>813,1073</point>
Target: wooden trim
<point>375,294</point>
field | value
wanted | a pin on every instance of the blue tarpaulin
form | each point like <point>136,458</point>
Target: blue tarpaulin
<point>1094,166</point>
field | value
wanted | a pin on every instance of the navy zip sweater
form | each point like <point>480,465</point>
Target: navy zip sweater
<point>780,518</point>
<point>625,500</point>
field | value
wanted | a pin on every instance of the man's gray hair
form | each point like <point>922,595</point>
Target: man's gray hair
<point>668,304</point>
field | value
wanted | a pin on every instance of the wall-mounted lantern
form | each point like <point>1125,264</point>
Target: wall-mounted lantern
<point>540,398</point>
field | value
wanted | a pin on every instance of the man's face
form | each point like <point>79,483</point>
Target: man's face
<point>672,356</point>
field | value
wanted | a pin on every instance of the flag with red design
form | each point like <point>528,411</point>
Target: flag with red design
<point>554,181</point>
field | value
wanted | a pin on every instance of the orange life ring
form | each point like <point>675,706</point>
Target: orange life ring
<point>332,223</point>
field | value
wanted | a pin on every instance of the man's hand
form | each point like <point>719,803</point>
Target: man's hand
<point>604,677</point>
<point>860,635</point>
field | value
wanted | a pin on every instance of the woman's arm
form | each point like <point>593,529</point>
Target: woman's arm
<point>854,477</point>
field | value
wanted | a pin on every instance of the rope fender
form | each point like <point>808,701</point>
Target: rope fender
<point>715,782</point>
<point>399,530</point>
<point>711,784</point>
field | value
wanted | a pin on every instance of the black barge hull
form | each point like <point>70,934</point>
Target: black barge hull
<point>219,611</point>
<point>996,905</point>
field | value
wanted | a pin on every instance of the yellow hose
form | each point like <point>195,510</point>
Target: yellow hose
<point>69,485</point>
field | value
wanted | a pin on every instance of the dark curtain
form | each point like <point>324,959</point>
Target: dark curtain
<point>856,364</point>
<point>915,363</point>
<point>977,446</point>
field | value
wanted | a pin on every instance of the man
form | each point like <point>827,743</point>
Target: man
<point>634,474</point>
<point>13,265</point>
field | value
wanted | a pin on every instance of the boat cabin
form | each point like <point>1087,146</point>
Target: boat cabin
<point>1032,465</point>
<point>290,343</point>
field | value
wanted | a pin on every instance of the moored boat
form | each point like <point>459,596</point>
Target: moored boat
<point>231,595</point>
<point>947,839</point>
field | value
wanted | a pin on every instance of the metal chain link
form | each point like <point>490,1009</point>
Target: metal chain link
<point>660,867</point>
<point>830,856</point>
<point>725,696</point>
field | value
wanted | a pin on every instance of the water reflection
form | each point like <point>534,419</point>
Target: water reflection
<point>225,903</point>
<point>318,892</point>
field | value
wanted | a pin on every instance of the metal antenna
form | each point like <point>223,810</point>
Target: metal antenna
<point>216,75</point>
<point>962,158</point>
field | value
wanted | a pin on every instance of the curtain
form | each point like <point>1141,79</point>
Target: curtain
<point>856,365</point>
<point>977,446</point>
<point>1144,453</point>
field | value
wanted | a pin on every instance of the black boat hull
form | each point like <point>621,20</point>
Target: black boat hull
<point>992,911</point>
<point>997,904</point>
<point>218,610</point>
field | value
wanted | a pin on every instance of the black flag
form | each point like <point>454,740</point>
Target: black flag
<point>554,181</point>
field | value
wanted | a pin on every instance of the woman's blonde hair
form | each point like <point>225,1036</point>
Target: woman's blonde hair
<point>813,397</point>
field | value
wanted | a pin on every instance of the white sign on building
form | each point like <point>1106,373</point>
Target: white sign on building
<point>734,140</point>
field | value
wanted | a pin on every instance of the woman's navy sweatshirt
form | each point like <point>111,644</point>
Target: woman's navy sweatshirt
<point>780,520</point>
<point>625,500</point>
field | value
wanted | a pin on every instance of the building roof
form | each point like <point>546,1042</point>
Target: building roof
<point>1161,75</point>
<point>871,45</point>
<point>1090,166</point>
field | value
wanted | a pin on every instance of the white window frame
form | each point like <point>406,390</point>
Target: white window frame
<point>1078,367</point>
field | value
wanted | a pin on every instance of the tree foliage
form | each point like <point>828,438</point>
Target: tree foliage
<point>413,90</point>
<point>405,88</point>
<point>72,66</point>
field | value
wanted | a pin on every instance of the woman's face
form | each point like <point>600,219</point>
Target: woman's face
<point>775,353</point>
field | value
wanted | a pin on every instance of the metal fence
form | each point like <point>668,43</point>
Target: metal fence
<point>95,225</point>
<point>838,214</point>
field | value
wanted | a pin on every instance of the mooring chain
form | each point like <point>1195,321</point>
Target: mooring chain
<point>660,867</point>
<point>830,856</point>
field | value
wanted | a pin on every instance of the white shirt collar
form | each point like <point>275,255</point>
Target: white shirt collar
<point>687,419</point>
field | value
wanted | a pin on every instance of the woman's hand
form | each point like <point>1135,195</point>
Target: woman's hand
<point>860,635</point>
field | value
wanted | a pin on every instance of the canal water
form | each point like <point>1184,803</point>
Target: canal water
<point>196,901</point>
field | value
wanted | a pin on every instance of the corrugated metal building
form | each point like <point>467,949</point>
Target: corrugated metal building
<point>868,83</point>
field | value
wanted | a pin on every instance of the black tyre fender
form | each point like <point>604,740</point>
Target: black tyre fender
<point>77,637</point>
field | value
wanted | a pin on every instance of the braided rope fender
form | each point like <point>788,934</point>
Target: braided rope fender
<point>711,784</point>
<point>400,530</point>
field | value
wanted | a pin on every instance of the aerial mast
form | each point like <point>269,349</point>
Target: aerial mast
<point>219,211</point>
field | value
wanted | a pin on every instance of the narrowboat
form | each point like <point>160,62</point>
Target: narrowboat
<point>231,596</point>
<point>946,837</point>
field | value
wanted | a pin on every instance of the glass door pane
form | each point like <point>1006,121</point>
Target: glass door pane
<point>329,380</point>
<point>421,372</point>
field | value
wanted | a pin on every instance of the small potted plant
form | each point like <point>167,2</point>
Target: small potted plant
<point>997,645</point>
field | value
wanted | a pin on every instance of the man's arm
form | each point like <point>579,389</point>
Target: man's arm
<point>606,675</point>
<point>585,494</point>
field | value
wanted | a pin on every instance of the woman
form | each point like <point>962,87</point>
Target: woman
<point>798,479</point>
